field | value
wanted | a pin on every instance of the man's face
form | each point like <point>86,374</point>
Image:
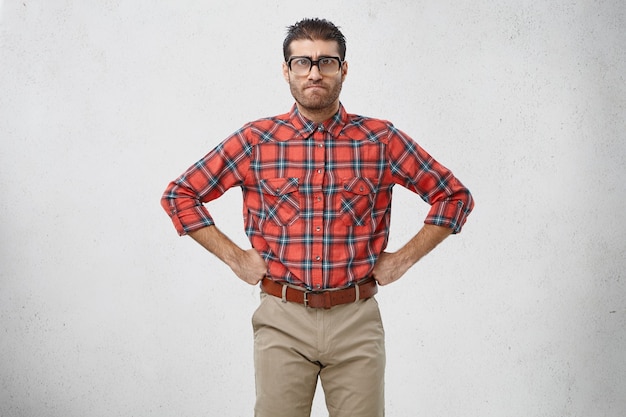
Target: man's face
<point>314,92</point>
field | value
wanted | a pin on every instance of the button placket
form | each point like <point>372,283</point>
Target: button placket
<point>317,226</point>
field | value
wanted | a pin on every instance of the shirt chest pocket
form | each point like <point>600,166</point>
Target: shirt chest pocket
<point>357,201</point>
<point>281,200</point>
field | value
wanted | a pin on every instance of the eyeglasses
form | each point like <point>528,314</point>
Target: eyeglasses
<point>327,65</point>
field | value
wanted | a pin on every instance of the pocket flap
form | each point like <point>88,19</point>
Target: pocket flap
<point>359,185</point>
<point>279,186</point>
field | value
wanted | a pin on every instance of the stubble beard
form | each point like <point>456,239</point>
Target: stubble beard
<point>317,102</point>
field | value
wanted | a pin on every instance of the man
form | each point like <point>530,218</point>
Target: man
<point>317,186</point>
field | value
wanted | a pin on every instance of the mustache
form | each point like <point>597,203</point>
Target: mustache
<point>315,84</point>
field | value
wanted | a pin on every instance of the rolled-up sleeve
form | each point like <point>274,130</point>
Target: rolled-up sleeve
<point>222,168</point>
<point>412,167</point>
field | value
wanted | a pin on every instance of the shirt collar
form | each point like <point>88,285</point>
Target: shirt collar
<point>306,127</point>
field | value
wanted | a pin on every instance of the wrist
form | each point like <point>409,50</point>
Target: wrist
<point>406,257</point>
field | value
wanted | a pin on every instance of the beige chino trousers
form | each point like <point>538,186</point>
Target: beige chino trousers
<point>343,346</point>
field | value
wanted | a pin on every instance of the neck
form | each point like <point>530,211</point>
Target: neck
<point>318,115</point>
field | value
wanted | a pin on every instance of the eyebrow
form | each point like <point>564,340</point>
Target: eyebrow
<point>311,58</point>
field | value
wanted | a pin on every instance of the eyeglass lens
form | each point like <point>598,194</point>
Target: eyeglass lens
<point>326,65</point>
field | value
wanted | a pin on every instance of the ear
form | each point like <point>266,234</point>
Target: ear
<point>344,71</point>
<point>285,72</point>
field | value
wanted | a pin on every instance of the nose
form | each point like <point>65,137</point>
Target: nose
<point>314,73</point>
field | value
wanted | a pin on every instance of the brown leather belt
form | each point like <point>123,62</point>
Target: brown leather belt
<point>320,299</point>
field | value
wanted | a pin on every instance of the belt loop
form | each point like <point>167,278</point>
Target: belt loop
<point>356,292</point>
<point>284,297</point>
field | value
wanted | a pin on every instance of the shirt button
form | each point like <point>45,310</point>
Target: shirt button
<point>321,145</point>
<point>317,258</point>
<point>319,171</point>
<point>320,128</point>
<point>317,229</point>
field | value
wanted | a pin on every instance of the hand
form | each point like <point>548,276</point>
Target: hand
<point>250,268</point>
<point>389,268</point>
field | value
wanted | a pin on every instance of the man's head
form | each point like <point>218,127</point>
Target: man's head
<point>314,29</point>
<point>314,67</point>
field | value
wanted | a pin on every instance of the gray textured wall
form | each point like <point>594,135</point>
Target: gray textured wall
<point>104,311</point>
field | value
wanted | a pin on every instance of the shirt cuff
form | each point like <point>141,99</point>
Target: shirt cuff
<point>192,219</point>
<point>448,213</point>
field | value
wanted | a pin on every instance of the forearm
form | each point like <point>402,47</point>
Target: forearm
<point>422,243</point>
<point>392,266</point>
<point>248,265</point>
<point>220,245</point>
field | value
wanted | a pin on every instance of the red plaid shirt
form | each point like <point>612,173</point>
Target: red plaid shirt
<point>317,197</point>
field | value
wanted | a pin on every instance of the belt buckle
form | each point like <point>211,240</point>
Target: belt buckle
<point>324,294</point>
<point>305,298</point>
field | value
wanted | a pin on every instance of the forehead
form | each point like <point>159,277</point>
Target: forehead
<point>315,48</point>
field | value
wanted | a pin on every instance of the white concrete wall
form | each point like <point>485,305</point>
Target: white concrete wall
<point>105,311</point>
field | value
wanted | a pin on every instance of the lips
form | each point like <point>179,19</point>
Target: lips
<point>314,86</point>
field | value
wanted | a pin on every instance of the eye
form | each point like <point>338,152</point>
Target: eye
<point>301,62</point>
<point>327,61</point>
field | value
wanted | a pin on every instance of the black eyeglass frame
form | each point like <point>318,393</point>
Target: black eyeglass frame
<point>316,63</point>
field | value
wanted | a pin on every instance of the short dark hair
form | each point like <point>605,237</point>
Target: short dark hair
<point>314,29</point>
